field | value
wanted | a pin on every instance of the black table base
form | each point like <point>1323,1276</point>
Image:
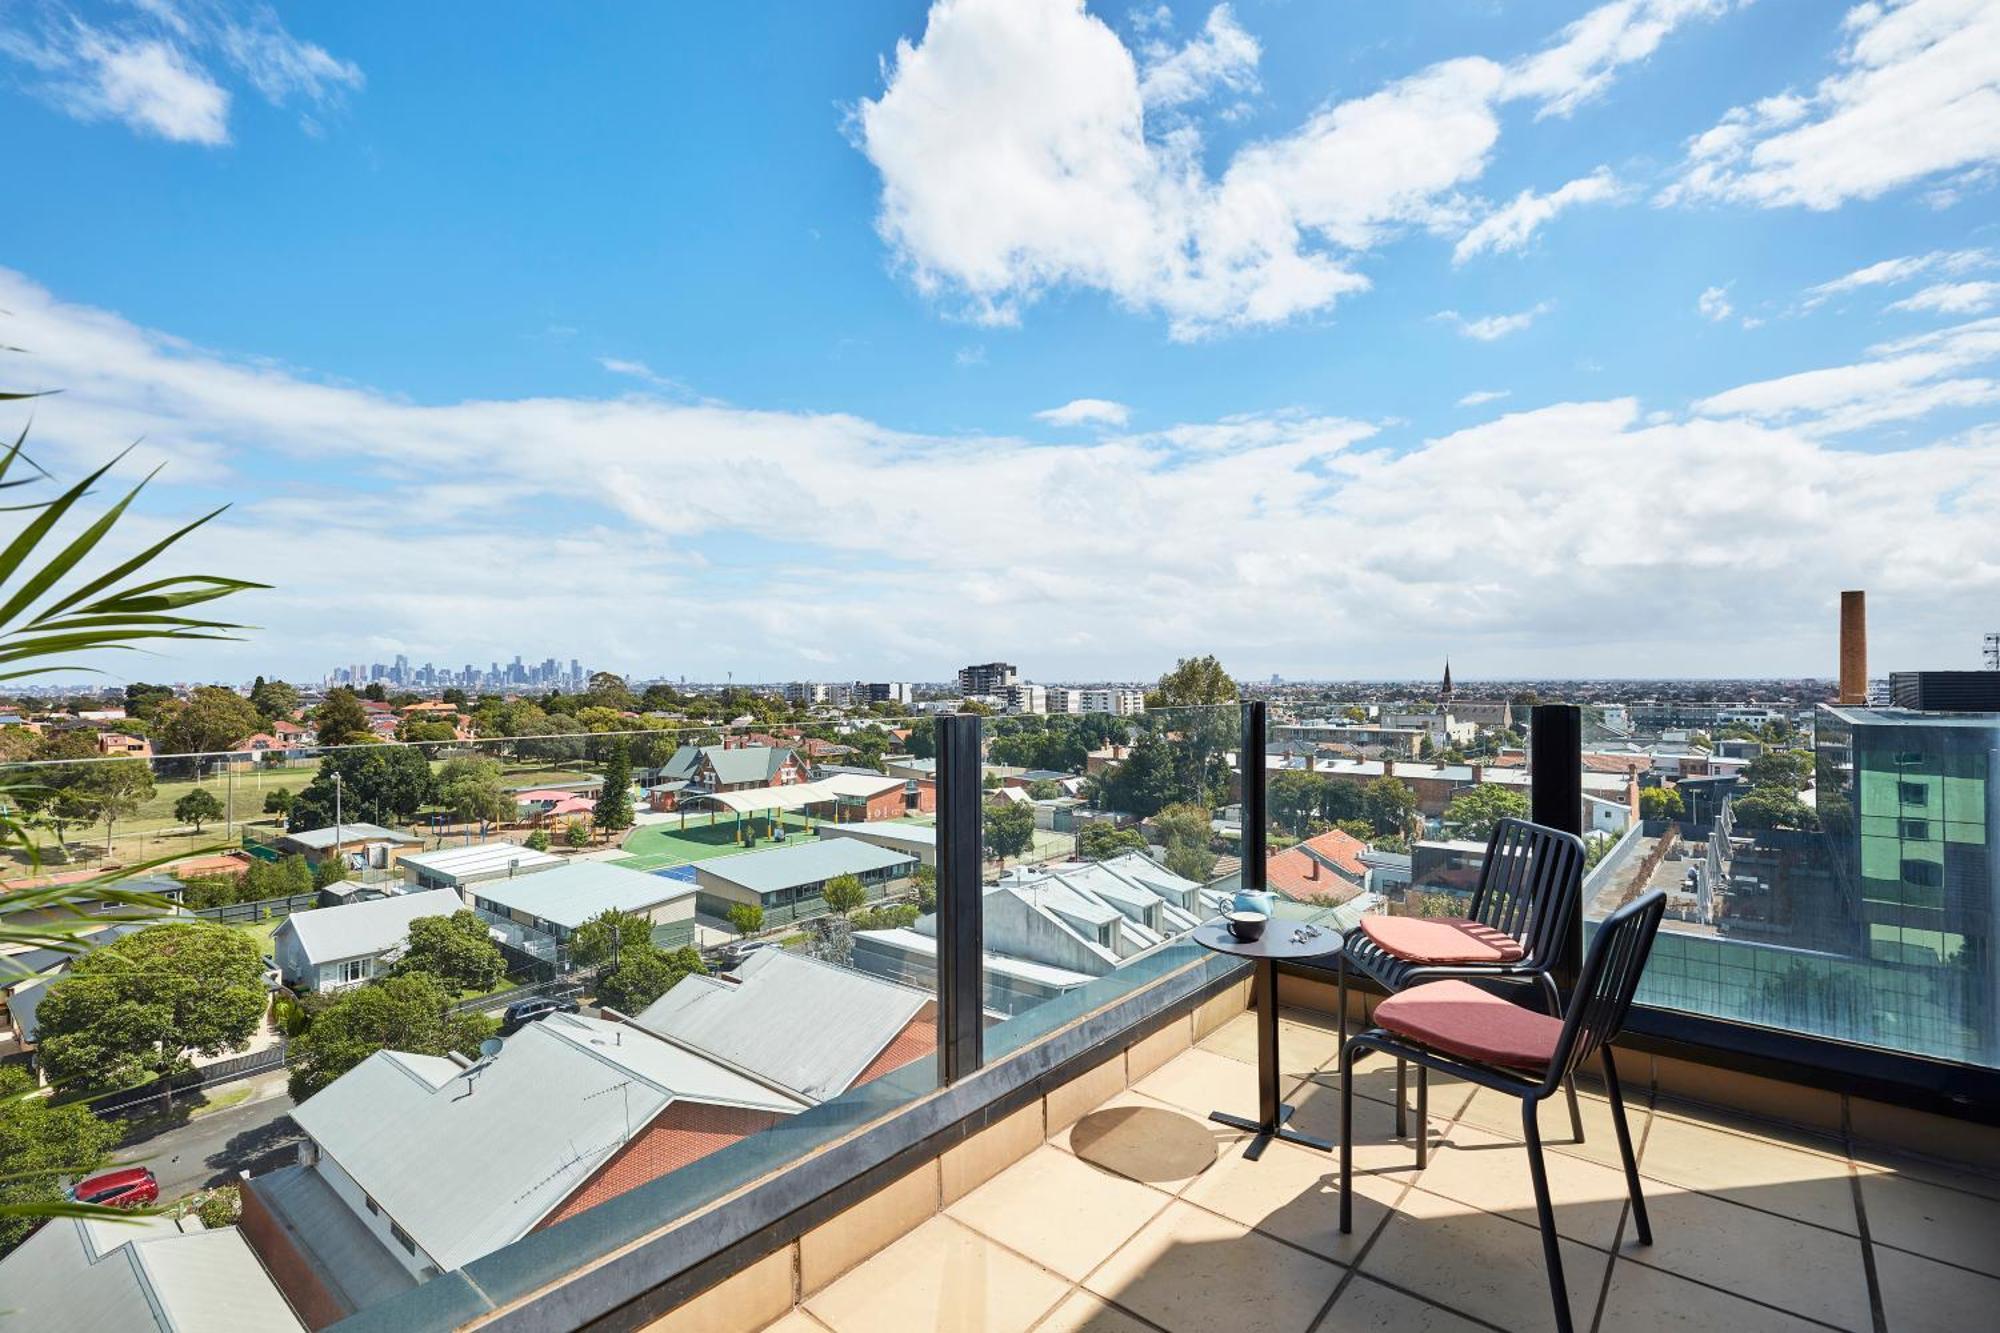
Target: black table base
<point>1271,1112</point>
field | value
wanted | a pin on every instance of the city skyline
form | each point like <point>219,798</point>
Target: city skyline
<point>1680,335</point>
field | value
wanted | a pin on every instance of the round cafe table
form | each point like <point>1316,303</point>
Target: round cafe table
<point>1282,941</point>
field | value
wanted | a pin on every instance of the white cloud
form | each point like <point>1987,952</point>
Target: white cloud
<point>1900,381</point>
<point>147,70</point>
<point>1580,66</point>
<point>1223,57</point>
<point>1888,272</point>
<point>1082,411</point>
<point>1511,226</point>
<point>1917,97</point>
<point>1479,396</point>
<point>748,540</point>
<point>645,374</point>
<point>1016,156</point>
<point>1713,303</point>
<point>1952,298</point>
<point>1487,328</point>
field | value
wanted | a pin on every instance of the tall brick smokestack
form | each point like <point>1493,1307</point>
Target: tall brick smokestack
<point>1854,647</point>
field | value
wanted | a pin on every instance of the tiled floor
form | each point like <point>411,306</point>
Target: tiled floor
<point>1753,1228</point>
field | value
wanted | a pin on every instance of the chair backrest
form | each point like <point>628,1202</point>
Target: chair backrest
<point>1610,978</point>
<point>1529,886</point>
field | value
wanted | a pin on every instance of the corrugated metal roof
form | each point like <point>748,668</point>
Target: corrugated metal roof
<point>75,1276</point>
<point>350,1258</point>
<point>921,835</point>
<point>465,1174</point>
<point>808,1025</point>
<point>801,863</point>
<point>573,893</point>
<point>482,858</point>
<point>925,946</point>
<point>357,930</point>
<point>318,839</point>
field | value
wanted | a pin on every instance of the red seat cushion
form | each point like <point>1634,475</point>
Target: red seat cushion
<point>1441,939</point>
<point>1460,1019</point>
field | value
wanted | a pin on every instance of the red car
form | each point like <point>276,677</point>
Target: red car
<point>128,1187</point>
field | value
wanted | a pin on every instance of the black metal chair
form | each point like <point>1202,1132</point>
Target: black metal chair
<point>1489,1041</point>
<point>1528,889</point>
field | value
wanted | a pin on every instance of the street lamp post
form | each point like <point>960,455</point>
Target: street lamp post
<point>336,822</point>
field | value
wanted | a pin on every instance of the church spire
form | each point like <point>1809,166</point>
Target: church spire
<point>1444,694</point>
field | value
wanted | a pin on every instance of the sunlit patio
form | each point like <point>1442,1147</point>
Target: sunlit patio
<point>1128,1209</point>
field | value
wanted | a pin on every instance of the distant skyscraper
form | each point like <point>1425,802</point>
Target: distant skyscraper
<point>987,678</point>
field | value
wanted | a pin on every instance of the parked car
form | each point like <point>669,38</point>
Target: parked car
<point>523,1012</point>
<point>128,1187</point>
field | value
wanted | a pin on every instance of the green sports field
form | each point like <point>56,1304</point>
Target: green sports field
<point>657,846</point>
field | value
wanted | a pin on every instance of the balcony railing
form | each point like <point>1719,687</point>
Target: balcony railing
<point>1827,958</point>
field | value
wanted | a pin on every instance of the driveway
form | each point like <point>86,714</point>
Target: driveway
<point>189,1152</point>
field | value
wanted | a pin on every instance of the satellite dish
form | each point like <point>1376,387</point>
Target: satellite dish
<point>490,1048</point>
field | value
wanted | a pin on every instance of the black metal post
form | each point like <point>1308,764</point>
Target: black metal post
<point>1555,773</point>
<point>960,862</point>
<point>1255,782</point>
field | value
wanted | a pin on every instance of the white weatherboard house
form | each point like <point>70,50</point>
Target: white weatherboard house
<point>331,947</point>
<point>556,902</point>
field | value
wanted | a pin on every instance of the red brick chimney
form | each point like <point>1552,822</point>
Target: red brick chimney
<point>1388,768</point>
<point>1312,866</point>
<point>1478,774</point>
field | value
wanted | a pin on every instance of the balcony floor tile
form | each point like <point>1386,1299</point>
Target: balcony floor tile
<point>942,1275</point>
<point>1192,1271</point>
<point>1060,1211</point>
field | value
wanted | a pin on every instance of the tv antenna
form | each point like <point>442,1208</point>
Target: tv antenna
<point>1993,652</point>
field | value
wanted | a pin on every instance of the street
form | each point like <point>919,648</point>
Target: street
<point>210,1149</point>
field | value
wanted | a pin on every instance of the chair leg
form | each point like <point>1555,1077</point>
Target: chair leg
<point>1551,1246</point>
<point>1347,1054</point>
<point>1639,1220</point>
<point>1423,1116</point>
<point>1402,1090</point>
<point>1554,998</point>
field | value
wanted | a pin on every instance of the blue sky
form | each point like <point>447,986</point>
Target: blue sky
<point>811,340</point>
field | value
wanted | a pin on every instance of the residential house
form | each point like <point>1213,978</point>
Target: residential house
<point>413,1165</point>
<point>91,1275</point>
<point>330,948</point>
<point>717,768</point>
<point>126,746</point>
<point>553,903</point>
<point>810,1027</point>
<point>1328,866</point>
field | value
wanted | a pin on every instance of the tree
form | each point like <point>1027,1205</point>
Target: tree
<point>1195,682</point>
<point>379,784</point>
<point>1101,840</point>
<point>51,793</point>
<point>830,939</point>
<point>111,791</point>
<point>417,730</point>
<point>607,936</point>
<point>613,810</point>
<point>273,699</point>
<point>844,893</point>
<point>1010,829</point>
<point>1660,803</point>
<point>40,1143</point>
<point>1788,769</point>
<point>212,719</point>
<point>747,918</point>
<point>1296,798</point>
<point>1184,833</point>
<point>537,841</point>
<point>924,878</point>
<point>644,975</point>
<point>470,788</point>
<point>1390,807</point>
<point>457,950</point>
<point>286,877</point>
<point>1476,812</point>
<point>197,807</point>
<point>1143,783</point>
<point>330,870</point>
<point>409,1012</point>
<point>278,802</point>
<point>375,692</point>
<point>576,833</point>
<point>1773,808</point>
<point>138,1008</point>
<point>340,719</point>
